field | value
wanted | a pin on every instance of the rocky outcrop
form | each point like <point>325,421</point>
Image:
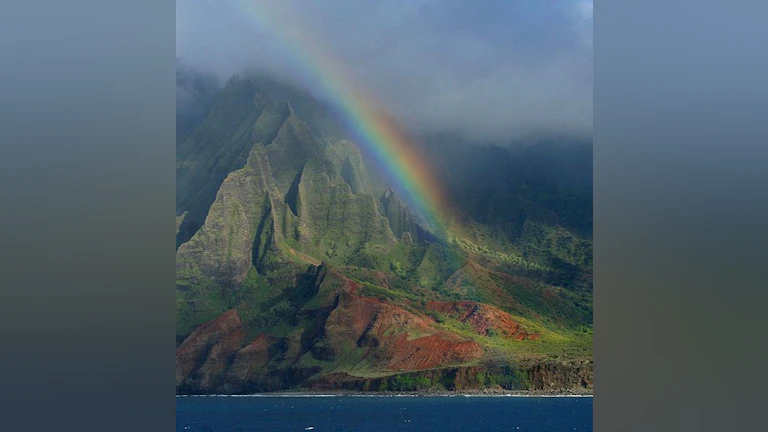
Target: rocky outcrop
<point>250,360</point>
<point>397,214</point>
<point>566,377</point>
<point>205,350</point>
<point>222,249</point>
<point>484,319</point>
<point>392,338</point>
<point>554,375</point>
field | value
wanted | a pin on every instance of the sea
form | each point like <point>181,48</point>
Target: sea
<point>321,413</point>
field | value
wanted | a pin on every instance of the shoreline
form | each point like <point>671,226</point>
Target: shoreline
<point>466,393</point>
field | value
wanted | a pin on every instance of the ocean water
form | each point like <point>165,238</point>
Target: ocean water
<point>383,413</point>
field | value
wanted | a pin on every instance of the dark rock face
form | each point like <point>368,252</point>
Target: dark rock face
<point>570,378</point>
<point>207,348</point>
<point>550,375</point>
<point>398,215</point>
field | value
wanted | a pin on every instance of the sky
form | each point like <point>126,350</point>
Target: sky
<point>485,69</point>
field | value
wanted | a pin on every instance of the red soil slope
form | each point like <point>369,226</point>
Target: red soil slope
<point>359,332</point>
<point>209,346</point>
<point>394,339</point>
<point>482,318</point>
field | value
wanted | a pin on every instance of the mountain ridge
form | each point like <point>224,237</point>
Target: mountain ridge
<point>296,264</point>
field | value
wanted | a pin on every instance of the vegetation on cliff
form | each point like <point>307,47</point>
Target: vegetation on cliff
<point>299,267</point>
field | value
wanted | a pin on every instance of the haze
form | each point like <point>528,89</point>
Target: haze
<point>487,70</point>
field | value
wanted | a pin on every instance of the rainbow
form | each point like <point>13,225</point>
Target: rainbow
<point>371,127</point>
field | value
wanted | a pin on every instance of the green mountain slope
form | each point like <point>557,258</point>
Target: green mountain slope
<point>298,267</point>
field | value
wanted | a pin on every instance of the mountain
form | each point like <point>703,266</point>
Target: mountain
<point>297,266</point>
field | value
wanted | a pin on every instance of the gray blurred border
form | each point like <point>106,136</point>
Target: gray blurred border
<point>87,118</point>
<point>681,143</point>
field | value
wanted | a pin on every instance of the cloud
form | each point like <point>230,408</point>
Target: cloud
<point>484,69</point>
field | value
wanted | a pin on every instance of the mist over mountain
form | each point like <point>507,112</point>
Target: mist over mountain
<point>492,71</point>
<point>195,91</point>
